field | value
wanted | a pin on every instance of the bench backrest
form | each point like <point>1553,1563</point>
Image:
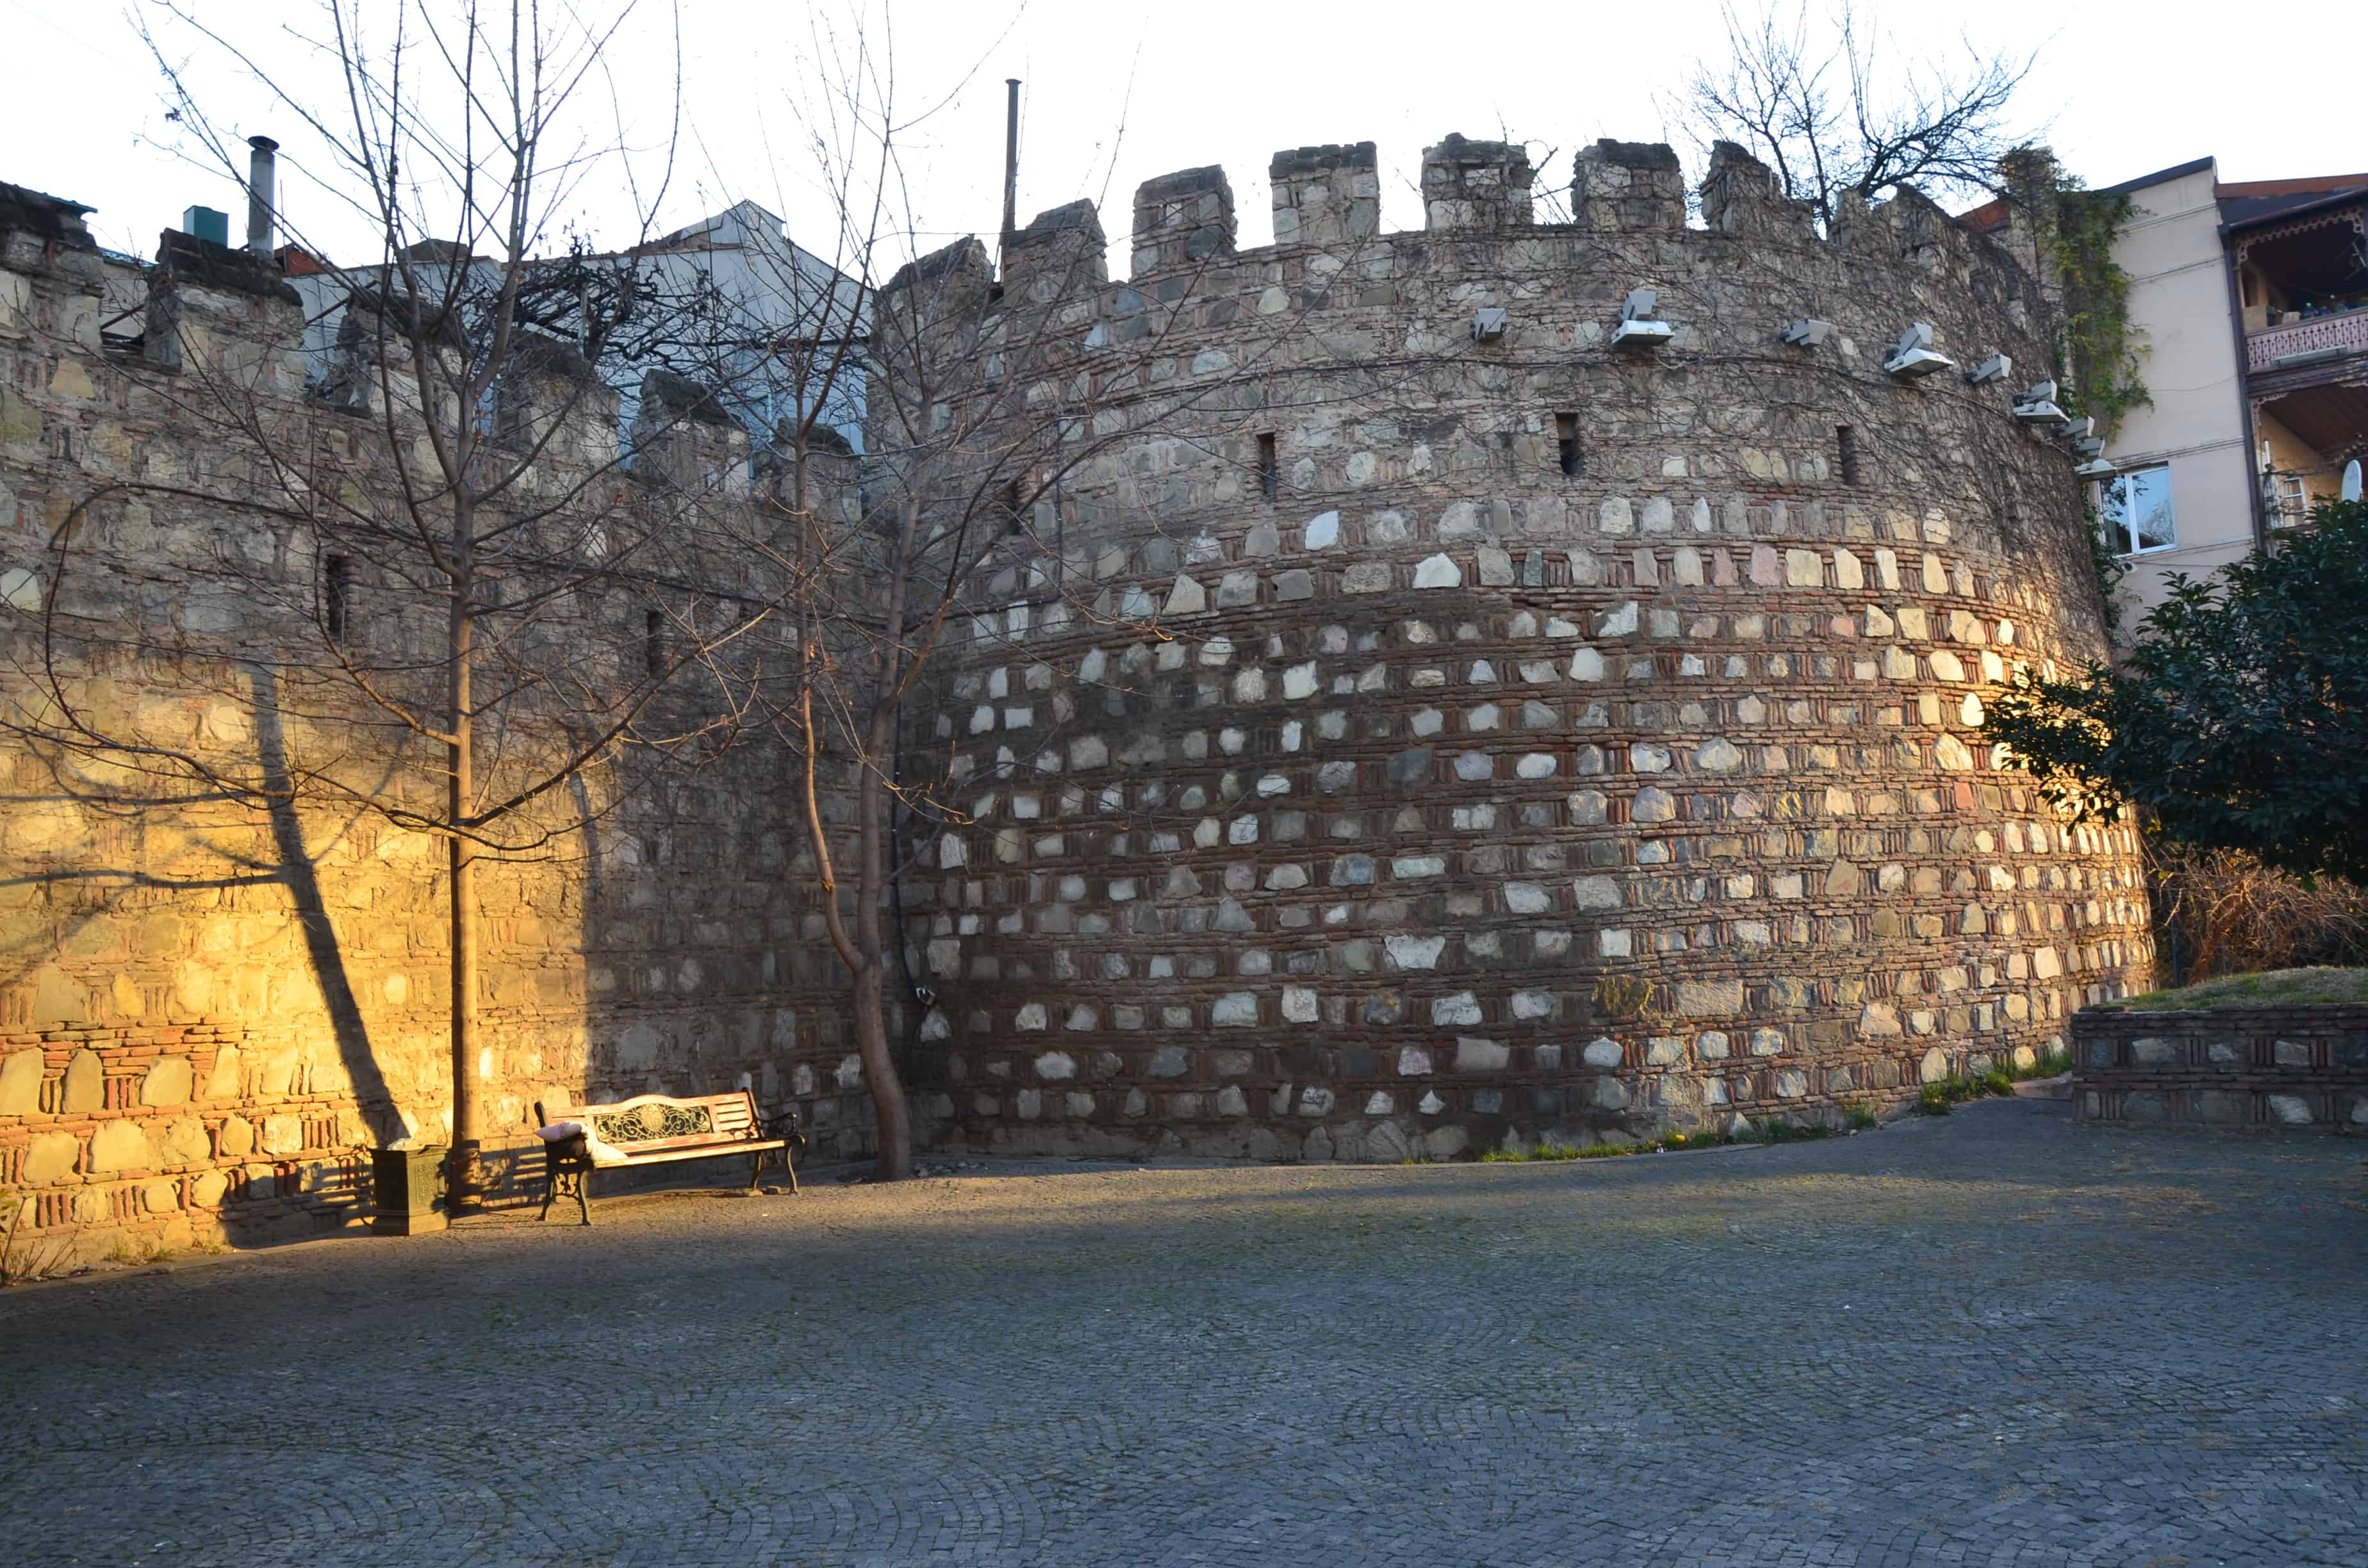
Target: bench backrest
<point>649,1122</point>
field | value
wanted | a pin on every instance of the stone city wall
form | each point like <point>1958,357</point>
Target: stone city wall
<point>2229,1067</point>
<point>210,1010</point>
<point>1407,728</point>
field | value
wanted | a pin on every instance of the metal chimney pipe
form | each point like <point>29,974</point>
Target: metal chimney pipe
<point>1010,168</point>
<point>260,196</point>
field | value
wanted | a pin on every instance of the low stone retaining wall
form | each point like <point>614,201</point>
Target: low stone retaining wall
<point>2270,1067</point>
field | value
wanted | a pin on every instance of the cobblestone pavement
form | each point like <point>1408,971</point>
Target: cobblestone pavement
<point>1995,1339</point>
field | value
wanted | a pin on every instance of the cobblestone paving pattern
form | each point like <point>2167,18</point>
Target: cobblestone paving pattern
<point>1995,1339</point>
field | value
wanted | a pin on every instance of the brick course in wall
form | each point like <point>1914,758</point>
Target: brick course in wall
<point>2229,1067</point>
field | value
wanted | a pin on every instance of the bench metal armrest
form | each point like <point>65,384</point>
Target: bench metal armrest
<point>785,1126</point>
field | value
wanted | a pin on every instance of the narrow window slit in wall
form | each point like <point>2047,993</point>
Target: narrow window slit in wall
<point>1269,472</point>
<point>1573,460</point>
<point>654,642</point>
<point>1012,525</point>
<point>336,586</point>
<point>1846,444</point>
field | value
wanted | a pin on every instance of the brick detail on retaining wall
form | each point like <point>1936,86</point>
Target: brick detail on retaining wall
<point>2273,1067</point>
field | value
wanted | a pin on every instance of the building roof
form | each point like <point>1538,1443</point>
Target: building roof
<point>2254,201</point>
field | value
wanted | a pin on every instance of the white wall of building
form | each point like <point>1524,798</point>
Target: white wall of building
<point>2195,425</point>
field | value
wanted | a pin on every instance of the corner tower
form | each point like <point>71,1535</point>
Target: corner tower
<point>1450,720</point>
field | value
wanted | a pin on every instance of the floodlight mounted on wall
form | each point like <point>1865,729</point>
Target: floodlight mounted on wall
<point>2079,429</point>
<point>1488,323</point>
<point>1638,328</point>
<point>1997,368</point>
<point>2095,468</point>
<point>1913,357</point>
<point>1807,332</point>
<point>2036,405</point>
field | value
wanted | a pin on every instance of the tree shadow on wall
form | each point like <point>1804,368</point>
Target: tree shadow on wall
<point>124,889</point>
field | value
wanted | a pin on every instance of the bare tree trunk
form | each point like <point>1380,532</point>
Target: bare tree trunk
<point>891,1112</point>
<point>861,948</point>
<point>466,1183</point>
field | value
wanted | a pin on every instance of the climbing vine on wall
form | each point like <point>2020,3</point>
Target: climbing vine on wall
<point>2099,347</point>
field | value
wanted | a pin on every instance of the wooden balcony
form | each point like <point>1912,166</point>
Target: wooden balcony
<point>2306,345</point>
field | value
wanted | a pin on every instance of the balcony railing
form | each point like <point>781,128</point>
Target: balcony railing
<point>2332,337</point>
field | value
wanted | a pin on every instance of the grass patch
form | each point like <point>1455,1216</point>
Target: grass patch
<point>2270,988</point>
<point>1940,1098</point>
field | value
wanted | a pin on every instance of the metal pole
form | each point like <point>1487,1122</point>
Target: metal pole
<point>1010,170</point>
<point>262,196</point>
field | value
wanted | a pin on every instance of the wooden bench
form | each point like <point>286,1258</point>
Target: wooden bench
<point>654,1129</point>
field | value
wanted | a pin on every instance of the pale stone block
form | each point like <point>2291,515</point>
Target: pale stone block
<point>1603,1053</point>
<point>20,1083</point>
<point>1474,1055</point>
<point>1437,571</point>
<point>1463,1008</point>
<point>122,1145</point>
<point>1717,755</point>
<point>1237,1009</point>
<point>168,1082</point>
<point>1709,998</point>
<point>184,1143</point>
<point>50,1158</point>
<point>282,1134</point>
<point>1414,953</point>
<point>86,1085</point>
<point>1055,1066</point>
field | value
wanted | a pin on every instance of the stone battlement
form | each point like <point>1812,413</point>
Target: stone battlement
<point>1326,199</point>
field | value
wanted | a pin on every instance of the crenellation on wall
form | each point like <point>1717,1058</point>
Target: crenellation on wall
<point>1630,187</point>
<point>1741,194</point>
<point>1325,197</point>
<point>1182,219</point>
<point>1061,251</point>
<point>1469,185</point>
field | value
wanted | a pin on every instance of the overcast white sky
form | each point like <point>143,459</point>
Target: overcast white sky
<point>2121,89</point>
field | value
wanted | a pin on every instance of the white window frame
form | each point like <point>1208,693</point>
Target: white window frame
<point>2124,542</point>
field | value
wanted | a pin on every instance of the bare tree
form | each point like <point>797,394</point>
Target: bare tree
<point>958,543</point>
<point>449,598</point>
<point>1829,105</point>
